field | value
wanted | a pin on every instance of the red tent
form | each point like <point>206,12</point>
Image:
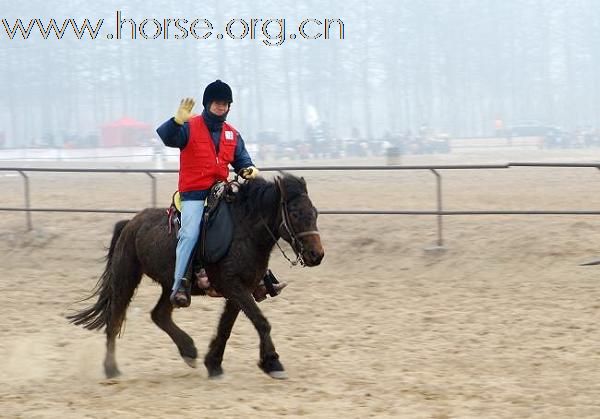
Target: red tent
<point>125,132</point>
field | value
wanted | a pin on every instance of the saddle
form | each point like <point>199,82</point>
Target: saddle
<point>216,235</point>
<point>216,232</point>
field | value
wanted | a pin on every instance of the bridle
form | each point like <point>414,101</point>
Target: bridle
<point>286,224</point>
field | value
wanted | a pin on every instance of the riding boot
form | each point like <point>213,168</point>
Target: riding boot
<point>182,296</point>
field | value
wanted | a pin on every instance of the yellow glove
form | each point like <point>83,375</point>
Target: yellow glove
<point>184,112</point>
<point>249,172</point>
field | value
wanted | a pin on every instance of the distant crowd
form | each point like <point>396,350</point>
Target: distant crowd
<point>319,144</point>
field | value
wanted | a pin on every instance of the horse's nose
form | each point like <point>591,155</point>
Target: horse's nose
<point>316,257</point>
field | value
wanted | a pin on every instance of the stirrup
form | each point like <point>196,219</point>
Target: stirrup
<point>268,286</point>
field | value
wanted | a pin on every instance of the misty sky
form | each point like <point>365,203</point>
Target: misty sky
<point>455,65</point>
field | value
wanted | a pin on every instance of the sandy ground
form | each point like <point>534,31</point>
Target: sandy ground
<point>504,324</point>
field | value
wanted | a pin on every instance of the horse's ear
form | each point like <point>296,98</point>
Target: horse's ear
<point>303,180</point>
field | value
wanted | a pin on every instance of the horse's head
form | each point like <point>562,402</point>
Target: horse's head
<point>299,220</point>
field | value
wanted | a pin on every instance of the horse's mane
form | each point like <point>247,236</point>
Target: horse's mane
<point>258,197</point>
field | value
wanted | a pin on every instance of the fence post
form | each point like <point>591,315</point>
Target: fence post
<point>440,239</point>
<point>27,199</point>
<point>153,188</point>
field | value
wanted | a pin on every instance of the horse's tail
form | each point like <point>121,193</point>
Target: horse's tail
<point>119,225</point>
<point>114,288</point>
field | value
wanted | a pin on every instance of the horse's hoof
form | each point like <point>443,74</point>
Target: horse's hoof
<point>273,368</point>
<point>278,375</point>
<point>112,372</point>
<point>190,361</point>
<point>215,373</point>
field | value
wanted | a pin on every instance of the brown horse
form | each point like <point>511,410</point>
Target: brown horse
<point>263,211</point>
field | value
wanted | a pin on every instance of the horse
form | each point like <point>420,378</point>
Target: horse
<point>262,211</point>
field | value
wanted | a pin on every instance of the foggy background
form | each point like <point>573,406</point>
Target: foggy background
<point>455,66</point>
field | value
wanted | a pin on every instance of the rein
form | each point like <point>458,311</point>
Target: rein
<point>295,242</point>
<point>276,240</point>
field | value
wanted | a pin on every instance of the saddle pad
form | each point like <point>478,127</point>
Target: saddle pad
<point>217,232</point>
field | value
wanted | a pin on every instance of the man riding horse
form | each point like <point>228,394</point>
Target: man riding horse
<point>208,145</point>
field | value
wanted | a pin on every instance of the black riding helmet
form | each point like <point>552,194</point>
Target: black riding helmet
<point>217,90</point>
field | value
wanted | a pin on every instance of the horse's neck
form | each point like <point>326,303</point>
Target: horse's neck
<point>266,231</point>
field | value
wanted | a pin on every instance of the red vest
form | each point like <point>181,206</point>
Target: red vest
<point>199,165</point>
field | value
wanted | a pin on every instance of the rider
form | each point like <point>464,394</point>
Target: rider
<point>208,145</point>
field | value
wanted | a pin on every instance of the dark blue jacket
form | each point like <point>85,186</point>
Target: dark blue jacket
<point>174,135</point>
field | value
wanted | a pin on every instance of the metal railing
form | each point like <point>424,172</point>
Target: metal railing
<point>439,212</point>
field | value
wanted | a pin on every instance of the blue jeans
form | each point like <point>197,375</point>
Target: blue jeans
<point>191,219</point>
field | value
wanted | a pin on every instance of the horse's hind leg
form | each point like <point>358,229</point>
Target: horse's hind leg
<point>162,316</point>
<point>269,359</point>
<point>214,357</point>
<point>110,363</point>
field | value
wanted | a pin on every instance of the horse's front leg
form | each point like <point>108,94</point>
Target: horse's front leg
<point>162,316</point>
<point>269,359</point>
<point>214,356</point>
